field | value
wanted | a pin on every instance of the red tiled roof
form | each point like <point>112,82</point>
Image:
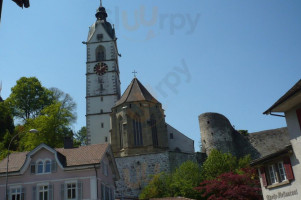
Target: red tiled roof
<point>16,161</point>
<point>83,155</point>
<point>136,92</point>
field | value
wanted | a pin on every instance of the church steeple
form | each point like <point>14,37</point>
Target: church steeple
<point>101,13</point>
<point>102,78</point>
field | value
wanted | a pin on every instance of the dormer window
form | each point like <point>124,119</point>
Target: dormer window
<point>45,166</point>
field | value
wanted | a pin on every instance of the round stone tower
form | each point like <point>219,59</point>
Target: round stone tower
<point>216,133</point>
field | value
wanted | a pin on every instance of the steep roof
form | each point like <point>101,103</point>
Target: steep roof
<point>16,161</point>
<point>288,95</point>
<point>84,155</point>
<point>136,92</point>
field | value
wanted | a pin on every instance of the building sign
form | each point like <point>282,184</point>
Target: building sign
<point>281,195</point>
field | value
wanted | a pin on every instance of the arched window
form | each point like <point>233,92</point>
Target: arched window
<point>100,53</point>
<point>138,140</point>
<point>120,124</point>
<point>40,167</point>
<point>153,124</point>
<point>47,166</point>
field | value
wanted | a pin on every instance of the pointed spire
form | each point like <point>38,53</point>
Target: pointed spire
<point>100,3</point>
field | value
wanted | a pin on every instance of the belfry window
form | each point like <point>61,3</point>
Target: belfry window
<point>120,133</point>
<point>138,140</point>
<point>100,53</point>
<point>154,131</point>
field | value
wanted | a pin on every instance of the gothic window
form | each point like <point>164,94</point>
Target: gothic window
<point>154,131</point>
<point>100,53</point>
<point>138,140</point>
<point>120,133</point>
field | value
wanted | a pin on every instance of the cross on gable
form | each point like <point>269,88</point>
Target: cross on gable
<point>134,72</point>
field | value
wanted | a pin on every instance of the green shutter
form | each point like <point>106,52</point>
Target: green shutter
<point>53,166</point>
<point>63,191</point>
<point>80,190</point>
<point>23,193</point>
<point>34,193</point>
<point>50,190</point>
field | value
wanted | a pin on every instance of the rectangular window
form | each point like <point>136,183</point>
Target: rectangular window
<point>16,193</point>
<point>43,192</point>
<point>171,135</point>
<point>104,169</point>
<point>277,172</point>
<point>102,125</point>
<point>71,191</point>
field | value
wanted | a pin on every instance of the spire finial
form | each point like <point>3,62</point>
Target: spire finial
<point>100,3</point>
<point>134,72</point>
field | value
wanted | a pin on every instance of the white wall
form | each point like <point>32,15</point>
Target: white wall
<point>184,143</point>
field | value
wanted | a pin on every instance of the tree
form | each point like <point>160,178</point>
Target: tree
<point>53,125</point>
<point>159,186</point>
<point>232,186</point>
<point>179,183</point>
<point>6,120</point>
<point>218,163</point>
<point>81,136</point>
<point>28,98</point>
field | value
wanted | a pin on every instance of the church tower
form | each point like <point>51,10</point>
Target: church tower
<point>102,78</point>
<point>138,123</point>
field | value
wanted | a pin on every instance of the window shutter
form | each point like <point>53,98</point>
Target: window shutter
<point>298,111</point>
<point>288,168</point>
<point>53,166</point>
<point>102,192</point>
<point>80,190</point>
<point>8,193</point>
<point>63,191</point>
<point>34,193</point>
<point>50,192</point>
<point>23,193</point>
<point>263,177</point>
<point>33,168</point>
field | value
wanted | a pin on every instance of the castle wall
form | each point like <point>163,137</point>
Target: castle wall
<point>216,133</point>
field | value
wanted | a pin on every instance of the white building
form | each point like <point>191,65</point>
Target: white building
<point>280,172</point>
<point>102,78</point>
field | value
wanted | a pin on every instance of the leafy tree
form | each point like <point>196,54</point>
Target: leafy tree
<point>53,125</point>
<point>218,163</point>
<point>180,183</point>
<point>185,179</point>
<point>81,136</point>
<point>232,186</point>
<point>6,120</point>
<point>159,186</point>
<point>28,97</point>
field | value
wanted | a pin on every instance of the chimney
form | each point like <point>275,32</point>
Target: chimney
<point>68,142</point>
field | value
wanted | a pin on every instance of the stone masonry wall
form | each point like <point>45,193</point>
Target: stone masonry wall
<point>136,171</point>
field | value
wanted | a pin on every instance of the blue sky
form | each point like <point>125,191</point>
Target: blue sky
<point>232,57</point>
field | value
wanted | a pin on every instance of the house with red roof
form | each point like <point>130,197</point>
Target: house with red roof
<point>86,172</point>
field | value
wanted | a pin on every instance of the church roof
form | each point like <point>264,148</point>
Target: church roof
<point>136,92</point>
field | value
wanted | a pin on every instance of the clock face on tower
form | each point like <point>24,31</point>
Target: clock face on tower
<point>100,68</point>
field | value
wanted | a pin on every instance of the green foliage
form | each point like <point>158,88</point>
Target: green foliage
<point>28,98</point>
<point>218,163</point>
<point>6,120</point>
<point>180,183</point>
<point>53,124</point>
<point>81,136</point>
<point>185,179</point>
<point>157,187</point>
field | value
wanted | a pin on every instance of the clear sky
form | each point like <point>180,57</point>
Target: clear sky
<point>227,56</point>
